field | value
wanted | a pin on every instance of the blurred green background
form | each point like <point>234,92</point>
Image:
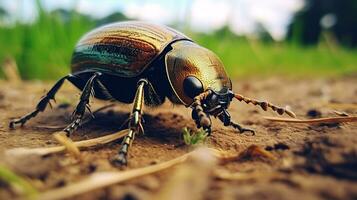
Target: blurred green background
<point>320,41</point>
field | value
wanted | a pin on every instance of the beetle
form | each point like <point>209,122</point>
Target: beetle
<point>144,63</point>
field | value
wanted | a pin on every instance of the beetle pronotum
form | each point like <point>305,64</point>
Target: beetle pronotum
<point>139,62</point>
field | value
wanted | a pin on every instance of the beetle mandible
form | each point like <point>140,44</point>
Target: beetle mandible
<point>139,62</point>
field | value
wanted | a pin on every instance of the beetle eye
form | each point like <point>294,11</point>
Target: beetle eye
<point>192,86</point>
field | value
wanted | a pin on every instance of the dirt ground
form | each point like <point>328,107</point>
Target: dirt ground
<point>314,161</point>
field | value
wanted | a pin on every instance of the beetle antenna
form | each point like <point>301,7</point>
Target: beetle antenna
<point>265,105</point>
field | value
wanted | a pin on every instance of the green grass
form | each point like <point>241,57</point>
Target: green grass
<point>194,138</point>
<point>42,50</point>
<point>18,183</point>
<point>243,57</point>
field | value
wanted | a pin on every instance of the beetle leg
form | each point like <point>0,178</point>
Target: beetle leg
<point>42,104</point>
<point>134,125</point>
<point>198,115</point>
<point>226,119</point>
<point>82,105</point>
<point>240,128</point>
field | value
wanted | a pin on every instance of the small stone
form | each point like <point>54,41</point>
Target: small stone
<point>314,113</point>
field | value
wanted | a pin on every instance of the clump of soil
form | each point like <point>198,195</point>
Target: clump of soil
<point>334,155</point>
<point>312,161</point>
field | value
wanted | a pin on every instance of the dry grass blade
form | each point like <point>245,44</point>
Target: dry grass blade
<point>341,114</point>
<point>311,121</point>
<point>67,143</point>
<point>103,179</point>
<point>80,144</point>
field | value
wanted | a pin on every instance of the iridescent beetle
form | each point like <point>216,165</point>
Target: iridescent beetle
<point>140,62</point>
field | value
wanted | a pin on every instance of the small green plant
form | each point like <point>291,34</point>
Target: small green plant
<point>193,138</point>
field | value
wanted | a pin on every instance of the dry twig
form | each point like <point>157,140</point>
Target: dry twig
<point>80,144</point>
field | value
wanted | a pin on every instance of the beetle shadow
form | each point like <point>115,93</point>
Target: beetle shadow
<point>163,126</point>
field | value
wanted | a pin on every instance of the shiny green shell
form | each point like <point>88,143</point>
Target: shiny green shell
<point>125,49</point>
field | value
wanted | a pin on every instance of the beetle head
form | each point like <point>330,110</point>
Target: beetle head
<point>217,102</point>
<point>192,70</point>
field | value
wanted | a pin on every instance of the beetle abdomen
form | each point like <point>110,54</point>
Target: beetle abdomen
<point>124,48</point>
